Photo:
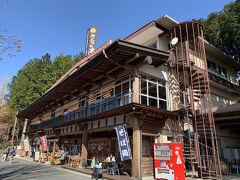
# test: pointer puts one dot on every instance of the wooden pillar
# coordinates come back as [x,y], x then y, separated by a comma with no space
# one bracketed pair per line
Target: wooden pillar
[30,146]
[137,149]
[136,89]
[14,129]
[84,144]
[53,152]
[24,130]
[54,147]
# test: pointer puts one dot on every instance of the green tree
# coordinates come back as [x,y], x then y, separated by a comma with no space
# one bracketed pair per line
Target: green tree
[78,57]
[36,77]
[60,66]
[29,83]
[222,29]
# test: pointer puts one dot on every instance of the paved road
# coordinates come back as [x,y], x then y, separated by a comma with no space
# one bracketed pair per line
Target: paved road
[22,169]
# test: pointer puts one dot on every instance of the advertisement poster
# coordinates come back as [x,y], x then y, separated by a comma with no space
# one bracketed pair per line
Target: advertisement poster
[26,145]
[44,143]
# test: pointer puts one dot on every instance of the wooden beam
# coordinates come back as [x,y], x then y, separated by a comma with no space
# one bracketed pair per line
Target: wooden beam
[147,60]
[136,56]
[150,134]
[107,75]
[113,69]
[93,83]
[115,62]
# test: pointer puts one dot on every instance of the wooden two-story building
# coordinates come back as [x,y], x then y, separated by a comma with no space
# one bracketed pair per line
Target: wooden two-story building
[102,91]
[129,82]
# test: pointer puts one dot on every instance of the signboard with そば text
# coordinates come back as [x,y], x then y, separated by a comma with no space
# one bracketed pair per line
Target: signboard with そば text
[123,143]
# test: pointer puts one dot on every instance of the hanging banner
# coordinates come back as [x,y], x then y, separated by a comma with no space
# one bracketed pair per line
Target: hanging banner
[44,143]
[123,143]
[26,145]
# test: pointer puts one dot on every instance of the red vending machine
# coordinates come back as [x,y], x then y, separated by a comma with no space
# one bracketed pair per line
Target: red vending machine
[168,161]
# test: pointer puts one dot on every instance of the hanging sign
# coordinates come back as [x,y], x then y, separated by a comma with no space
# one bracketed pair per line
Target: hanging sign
[91,43]
[26,145]
[123,143]
[44,143]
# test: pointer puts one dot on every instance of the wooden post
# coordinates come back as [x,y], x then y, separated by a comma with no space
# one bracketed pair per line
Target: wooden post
[84,144]
[137,149]
[24,130]
[14,128]
[136,89]
[10,159]
[54,147]
[30,145]
[53,152]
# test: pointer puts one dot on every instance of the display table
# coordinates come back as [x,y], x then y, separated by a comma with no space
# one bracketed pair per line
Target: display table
[74,161]
[56,158]
[43,158]
[56,161]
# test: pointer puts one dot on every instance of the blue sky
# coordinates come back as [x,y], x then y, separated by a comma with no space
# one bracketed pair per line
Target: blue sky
[59,26]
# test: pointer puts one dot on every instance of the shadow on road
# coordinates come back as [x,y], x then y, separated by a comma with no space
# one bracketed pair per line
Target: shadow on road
[16,170]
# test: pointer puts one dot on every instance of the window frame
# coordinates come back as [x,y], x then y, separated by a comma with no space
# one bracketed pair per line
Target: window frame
[153,43]
[159,83]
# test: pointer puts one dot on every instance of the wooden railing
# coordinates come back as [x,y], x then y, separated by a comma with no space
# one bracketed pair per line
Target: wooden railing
[83,112]
[224,82]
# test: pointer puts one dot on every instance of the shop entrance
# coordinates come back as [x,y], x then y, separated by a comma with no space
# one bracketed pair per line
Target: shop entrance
[71,144]
[147,156]
[103,144]
[101,148]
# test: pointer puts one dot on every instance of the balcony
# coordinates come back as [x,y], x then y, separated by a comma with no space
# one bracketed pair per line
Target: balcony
[223,82]
[91,110]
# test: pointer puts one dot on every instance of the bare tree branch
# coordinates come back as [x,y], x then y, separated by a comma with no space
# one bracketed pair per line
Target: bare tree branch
[9,44]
